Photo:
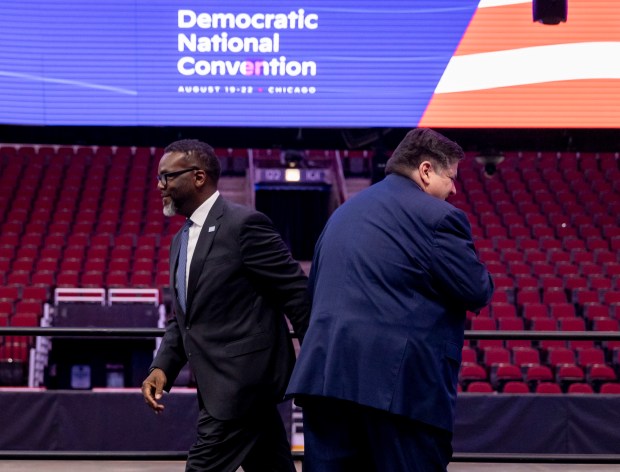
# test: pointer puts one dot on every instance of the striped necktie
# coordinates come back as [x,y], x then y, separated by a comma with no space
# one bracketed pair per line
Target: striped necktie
[181,266]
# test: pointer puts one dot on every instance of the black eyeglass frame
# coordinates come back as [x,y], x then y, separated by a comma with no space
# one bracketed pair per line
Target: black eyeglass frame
[163,178]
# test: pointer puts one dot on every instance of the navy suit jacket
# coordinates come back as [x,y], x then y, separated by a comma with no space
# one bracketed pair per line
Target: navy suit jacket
[393,274]
[242,280]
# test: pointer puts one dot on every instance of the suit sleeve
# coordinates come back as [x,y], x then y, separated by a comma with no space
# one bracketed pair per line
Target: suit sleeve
[280,277]
[170,356]
[462,276]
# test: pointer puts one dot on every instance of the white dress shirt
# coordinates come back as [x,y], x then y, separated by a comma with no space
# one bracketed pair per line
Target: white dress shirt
[198,221]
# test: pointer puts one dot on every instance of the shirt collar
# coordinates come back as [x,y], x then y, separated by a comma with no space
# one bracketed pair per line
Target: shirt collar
[200,214]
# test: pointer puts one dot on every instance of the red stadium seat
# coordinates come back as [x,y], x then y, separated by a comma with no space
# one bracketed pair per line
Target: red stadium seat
[551,282]
[9,294]
[501,310]
[589,268]
[534,310]
[142,280]
[119,264]
[25,319]
[144,265]
[95,265]
[568,374]
[546,324]
[602,256]
[72,264]
[598,374]
[76,249]
[51,249]
[479,387]
[610,388]
[499,296]
[538,373]
[554,295]
[562,310]
[20,278]
[162,279]
[550,243]
[610,298]
[526,282]
[580,388]
[43,278]
[548,388]
[35,294]
[592,311]
[486,324]
[558,255]
[516,387]
[513,324]
[502,373]
[14,353]
[574,282]
[496,355]
[559,356]
[583,296]
[605,324]
[68,279]
[575,324]
[469,355]
[47,264]
[528,295]
[590,356]
[471,373]
[145,252]
[117,279]
[6,308]
[535,255]
[524,357]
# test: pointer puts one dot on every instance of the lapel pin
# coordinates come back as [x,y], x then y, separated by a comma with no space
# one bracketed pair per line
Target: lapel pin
[211,229]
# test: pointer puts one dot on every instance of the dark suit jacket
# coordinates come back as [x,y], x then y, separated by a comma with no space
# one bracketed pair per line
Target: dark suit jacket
[234,335]
[393,274]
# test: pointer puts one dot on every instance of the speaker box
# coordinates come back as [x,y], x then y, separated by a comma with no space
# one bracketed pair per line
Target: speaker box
[549,12]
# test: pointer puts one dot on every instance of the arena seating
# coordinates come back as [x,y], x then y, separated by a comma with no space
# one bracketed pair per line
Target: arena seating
[549,235]
[547,225]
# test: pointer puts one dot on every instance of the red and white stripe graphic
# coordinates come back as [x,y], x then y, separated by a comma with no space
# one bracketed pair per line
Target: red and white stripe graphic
[511,72]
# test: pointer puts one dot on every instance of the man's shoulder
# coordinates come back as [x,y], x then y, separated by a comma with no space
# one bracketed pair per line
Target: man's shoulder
[236,208]
[239,212]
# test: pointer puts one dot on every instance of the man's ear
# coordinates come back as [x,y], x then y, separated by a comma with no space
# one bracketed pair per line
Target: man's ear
[425,168]
[201,178]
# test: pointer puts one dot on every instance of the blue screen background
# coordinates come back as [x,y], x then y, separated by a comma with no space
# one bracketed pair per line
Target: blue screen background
[115,63]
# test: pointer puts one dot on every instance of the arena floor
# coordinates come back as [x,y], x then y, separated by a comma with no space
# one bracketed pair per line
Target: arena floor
[175,466]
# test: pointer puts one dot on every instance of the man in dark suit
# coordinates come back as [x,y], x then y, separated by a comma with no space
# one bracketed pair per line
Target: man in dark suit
[393,274]
[233,278]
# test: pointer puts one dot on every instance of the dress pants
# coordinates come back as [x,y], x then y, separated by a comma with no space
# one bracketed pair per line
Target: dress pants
[341,436]
[257,442]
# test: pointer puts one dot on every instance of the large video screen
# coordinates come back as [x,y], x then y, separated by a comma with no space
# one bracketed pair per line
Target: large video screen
[313,63]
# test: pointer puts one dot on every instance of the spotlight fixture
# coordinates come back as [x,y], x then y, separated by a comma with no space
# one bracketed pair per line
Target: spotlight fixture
[489,162]
[549,12]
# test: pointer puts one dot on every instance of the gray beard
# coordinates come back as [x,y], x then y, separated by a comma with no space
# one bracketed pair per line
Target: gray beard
[170,209]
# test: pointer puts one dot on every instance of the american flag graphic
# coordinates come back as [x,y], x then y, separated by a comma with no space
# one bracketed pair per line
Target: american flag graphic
[509,71]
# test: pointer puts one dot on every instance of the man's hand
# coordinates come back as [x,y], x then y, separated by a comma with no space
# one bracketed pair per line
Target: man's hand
[152,389]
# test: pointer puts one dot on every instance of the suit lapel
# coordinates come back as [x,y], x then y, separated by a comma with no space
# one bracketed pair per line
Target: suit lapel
[203,246]
[174,257]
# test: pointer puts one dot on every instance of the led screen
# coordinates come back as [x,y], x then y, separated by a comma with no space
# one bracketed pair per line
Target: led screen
[318,63]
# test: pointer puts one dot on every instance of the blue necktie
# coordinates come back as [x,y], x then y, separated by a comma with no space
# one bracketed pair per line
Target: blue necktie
[181,266]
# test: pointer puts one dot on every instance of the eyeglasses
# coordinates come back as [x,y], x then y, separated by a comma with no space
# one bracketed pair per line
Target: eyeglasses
[163,178]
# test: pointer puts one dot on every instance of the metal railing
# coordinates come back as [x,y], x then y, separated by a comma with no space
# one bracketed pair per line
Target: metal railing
[158,332]
[182,456]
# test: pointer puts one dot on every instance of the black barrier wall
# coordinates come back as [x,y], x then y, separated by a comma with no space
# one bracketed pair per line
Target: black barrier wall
[120,421]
